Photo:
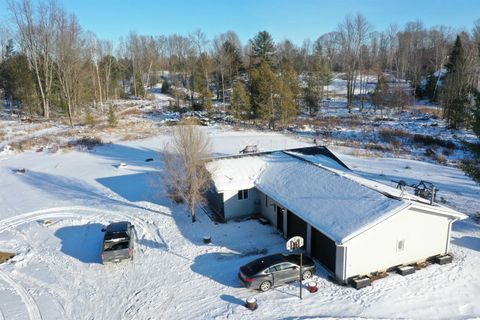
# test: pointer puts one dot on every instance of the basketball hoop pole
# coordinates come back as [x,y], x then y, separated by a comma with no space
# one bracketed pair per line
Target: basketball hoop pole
[293,244]
[301,266]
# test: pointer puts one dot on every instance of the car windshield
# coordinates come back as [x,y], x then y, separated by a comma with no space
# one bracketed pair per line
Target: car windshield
[116,236]
[111,246]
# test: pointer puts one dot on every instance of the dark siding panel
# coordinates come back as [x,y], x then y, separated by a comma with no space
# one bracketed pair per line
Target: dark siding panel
[296,226]
[215,201]
[279,219]
[324,249]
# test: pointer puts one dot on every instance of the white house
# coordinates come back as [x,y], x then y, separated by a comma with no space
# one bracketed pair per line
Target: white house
[353,226]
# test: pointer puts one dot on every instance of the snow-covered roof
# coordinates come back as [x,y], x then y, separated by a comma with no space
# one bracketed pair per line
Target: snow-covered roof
[317,187]
[338,207]
[235,173]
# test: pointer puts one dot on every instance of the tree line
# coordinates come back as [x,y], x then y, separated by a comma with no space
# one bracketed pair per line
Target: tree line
[51,67]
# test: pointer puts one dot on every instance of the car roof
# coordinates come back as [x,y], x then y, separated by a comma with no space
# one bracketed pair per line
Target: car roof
[121,226]
[264,262]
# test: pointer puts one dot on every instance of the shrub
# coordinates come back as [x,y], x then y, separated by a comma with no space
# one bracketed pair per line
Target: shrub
[471,168]
[89,119]
[87,142]
[432,141]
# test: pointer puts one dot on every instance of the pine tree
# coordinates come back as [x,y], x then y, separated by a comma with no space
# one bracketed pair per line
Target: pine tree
[290,77]
[262,49]
[165,87]
[264,90]
[241,107]
[431,88]
[18,83]
[137,87]
[455,97]
[380,94]
[289,91]
[272,96]
[207,101]
[316,79]
[476,114]
[112,117]
[287,107]
[89,119]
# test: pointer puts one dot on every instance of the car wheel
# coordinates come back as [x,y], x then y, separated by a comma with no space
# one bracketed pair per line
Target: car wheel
[265,286]
[306,275]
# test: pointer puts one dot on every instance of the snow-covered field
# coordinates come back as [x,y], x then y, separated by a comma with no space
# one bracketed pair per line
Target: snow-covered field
[51,216]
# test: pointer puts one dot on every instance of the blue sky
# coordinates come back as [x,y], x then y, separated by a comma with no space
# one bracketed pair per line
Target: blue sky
[295,20]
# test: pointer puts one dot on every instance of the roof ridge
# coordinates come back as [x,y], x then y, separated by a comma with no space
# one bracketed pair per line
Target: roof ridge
[343,175]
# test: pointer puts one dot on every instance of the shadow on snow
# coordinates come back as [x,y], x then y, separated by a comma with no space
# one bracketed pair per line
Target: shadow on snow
[82,242]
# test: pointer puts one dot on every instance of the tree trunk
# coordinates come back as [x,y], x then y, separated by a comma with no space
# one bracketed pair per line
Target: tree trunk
[192,210]
[99,86]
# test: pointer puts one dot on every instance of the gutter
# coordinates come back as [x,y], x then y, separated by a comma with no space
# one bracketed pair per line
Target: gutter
[448,234]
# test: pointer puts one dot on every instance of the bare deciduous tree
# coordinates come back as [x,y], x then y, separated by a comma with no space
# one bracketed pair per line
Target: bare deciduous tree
[185,158]
[36,27]
[68,46]
[352,35]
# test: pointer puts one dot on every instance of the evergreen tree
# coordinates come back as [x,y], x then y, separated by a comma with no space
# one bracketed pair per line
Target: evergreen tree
[380,94]
[431,88]
[233,59]
[264,89]
[272,96]
[165,87]
[241,107]
[18,83]
[316,79]
[476,114]
[455,97]
[137,87]
[89,119]
[207,101]
[112,117]
[287,107]
[262,49]
[289,92]
[290,77]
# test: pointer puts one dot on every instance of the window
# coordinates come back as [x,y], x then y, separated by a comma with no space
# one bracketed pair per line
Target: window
[272,269]
[242,194]
[400,245]
[285,266]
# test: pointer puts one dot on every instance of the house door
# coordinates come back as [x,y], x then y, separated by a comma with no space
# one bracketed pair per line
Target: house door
[280,219]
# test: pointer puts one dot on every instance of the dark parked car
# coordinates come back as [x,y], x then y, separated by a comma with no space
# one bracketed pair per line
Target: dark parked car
[118,242]
[274,270]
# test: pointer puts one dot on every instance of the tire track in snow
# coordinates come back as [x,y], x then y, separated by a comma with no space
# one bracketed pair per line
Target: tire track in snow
[30,304]
[55,213]
[71,212]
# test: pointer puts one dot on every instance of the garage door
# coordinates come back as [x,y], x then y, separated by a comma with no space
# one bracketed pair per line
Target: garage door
[324,249]
[296,226]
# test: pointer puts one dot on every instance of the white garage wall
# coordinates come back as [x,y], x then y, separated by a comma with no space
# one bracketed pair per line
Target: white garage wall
[423,235]
[267,208]
[234,208]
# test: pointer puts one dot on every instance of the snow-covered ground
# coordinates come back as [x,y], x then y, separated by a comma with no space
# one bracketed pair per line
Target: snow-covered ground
[51,216]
